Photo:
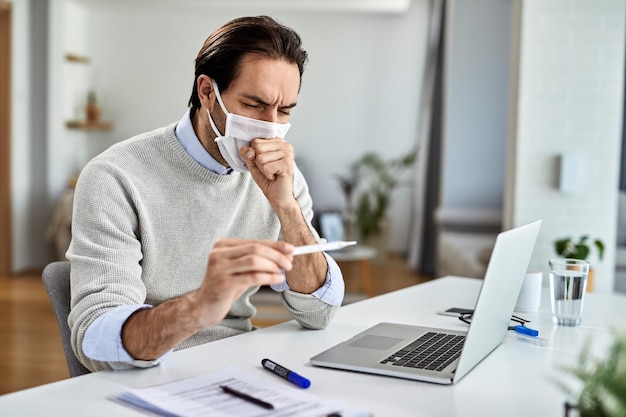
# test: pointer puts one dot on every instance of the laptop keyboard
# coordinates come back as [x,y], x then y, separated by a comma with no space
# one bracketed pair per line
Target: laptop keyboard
[432,351]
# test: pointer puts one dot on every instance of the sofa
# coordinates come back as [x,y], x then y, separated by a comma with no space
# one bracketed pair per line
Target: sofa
[465,239]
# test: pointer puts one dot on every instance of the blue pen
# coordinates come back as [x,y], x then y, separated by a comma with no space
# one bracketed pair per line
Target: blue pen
[528,335]
[526,330]
[283,372]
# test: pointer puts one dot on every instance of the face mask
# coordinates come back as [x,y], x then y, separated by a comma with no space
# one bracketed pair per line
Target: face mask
[240,131]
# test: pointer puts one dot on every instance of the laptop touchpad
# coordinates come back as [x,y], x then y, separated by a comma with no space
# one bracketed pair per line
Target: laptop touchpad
[375,342]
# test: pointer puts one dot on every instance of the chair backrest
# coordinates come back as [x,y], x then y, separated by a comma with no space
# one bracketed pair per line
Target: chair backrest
[56,280]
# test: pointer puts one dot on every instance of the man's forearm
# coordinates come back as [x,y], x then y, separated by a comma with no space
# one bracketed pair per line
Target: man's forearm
[309,271]
[150,333]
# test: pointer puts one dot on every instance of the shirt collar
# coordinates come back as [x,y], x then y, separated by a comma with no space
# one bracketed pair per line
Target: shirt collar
[190,142]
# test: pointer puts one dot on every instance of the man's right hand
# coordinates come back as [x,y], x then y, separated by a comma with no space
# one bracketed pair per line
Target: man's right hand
[234,265]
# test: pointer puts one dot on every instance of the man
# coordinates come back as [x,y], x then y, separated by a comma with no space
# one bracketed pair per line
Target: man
[149,210]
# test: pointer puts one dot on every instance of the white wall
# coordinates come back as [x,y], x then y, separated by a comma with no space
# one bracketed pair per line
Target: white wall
[360,91]
[568,97]
[68,83]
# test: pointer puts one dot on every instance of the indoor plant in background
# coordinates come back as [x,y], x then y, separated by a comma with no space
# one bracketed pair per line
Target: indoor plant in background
[367,190]
[601,389]
[569,248]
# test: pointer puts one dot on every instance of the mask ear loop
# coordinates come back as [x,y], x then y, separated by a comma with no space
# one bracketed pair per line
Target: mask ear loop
[215,130]
[219,100]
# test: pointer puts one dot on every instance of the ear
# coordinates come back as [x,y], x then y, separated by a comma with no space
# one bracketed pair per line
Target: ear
[205,90]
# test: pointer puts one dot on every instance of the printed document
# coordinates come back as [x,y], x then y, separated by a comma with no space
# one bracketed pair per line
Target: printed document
[202,396]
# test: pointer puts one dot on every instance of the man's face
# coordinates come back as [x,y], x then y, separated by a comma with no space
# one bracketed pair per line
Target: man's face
[265,89]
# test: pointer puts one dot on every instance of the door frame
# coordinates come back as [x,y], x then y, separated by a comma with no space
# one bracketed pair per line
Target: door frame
[6,232]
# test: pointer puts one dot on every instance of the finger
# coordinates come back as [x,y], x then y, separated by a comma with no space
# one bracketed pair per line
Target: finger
[260,278]
[253,264]
[248,155]
[268,157]
[250,158]
[271,145]
[279,245]
[277,255]
[275,168]
[274,164]
[246,271]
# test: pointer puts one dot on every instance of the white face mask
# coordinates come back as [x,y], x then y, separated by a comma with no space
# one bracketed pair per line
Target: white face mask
[240,131]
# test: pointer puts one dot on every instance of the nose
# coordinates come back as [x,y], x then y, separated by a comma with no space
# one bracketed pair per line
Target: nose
[270,115]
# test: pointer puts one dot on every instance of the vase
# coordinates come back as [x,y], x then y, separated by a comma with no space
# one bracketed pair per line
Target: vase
[93,110]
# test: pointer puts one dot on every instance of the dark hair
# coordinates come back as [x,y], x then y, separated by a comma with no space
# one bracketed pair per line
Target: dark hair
[220,56]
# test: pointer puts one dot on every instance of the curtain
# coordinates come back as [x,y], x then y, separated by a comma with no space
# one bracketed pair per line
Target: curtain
[425,193]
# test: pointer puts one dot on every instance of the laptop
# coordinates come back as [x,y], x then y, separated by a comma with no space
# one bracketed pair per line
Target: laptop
[437,355]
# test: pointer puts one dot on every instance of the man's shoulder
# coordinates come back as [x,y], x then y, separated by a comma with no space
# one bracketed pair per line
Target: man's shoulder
[147,139]
[137,150]
[139,145]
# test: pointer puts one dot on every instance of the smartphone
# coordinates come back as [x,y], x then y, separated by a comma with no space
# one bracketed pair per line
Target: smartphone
[455,311]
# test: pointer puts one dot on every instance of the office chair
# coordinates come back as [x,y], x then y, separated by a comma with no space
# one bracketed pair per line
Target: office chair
[56,280]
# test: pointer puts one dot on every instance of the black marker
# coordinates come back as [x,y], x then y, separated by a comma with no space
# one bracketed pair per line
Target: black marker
[246,397]
[290,376]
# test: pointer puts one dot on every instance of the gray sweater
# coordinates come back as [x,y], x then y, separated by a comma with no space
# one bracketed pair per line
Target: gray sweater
[145,218]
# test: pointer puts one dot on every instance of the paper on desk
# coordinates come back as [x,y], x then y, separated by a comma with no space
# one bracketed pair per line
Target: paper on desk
[202,396]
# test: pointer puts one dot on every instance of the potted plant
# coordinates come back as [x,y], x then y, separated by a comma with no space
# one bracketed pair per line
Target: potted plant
[580,249]
[568,248]
[602,382]
[367,190]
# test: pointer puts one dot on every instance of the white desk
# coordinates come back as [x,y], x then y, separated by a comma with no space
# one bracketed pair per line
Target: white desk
[515,380]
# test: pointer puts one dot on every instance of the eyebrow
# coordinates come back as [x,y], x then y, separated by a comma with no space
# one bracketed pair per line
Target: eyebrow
[263,102]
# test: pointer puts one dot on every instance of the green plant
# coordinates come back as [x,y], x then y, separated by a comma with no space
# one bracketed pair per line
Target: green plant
[603,392]
[568,248]
[368,187]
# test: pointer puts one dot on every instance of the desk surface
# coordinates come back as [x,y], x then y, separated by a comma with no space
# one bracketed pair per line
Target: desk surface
[516,379]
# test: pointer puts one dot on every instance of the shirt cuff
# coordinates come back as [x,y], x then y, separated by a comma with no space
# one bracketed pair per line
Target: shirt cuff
[103,339]
[331,292]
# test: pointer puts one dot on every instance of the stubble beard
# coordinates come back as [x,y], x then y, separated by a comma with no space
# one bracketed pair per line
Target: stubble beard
[209,143]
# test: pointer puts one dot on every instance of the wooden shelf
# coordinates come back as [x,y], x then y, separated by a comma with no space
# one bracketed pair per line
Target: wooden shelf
[85,125]
[77,58]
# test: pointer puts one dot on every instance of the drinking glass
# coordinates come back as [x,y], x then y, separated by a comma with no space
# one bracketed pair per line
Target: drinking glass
[568,283]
